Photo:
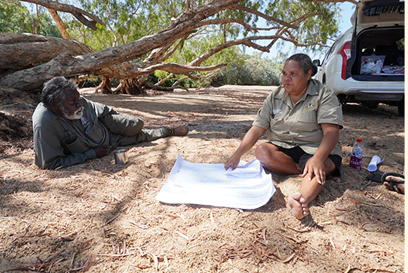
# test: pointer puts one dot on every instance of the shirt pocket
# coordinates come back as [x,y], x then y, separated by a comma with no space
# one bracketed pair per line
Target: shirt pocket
[277,122]
[307,121]
[74,144]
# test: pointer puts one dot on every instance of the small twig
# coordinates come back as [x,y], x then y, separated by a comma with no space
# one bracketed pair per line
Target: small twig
[112,219]
[182,235]
[156,261]
[372,204]
[222,245]
[289,258]
[83,268]
[308,227]
[118,255]
[291,237]
[166,261]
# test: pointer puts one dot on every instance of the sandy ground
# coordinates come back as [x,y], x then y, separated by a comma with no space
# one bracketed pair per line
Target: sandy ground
[103,217]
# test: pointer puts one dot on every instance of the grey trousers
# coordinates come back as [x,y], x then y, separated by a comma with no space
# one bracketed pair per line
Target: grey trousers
[128,130]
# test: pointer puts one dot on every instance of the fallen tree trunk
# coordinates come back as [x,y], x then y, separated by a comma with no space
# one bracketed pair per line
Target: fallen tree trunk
[20,51]
[69,65]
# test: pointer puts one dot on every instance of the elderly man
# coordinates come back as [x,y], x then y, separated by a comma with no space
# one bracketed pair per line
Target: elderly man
[70,129]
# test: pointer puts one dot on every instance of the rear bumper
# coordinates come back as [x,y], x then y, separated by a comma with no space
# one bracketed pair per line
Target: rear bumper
[369,90]
[374,95]
[378,97]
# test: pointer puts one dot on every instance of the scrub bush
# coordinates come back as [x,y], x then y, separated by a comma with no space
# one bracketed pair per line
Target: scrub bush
[252,71]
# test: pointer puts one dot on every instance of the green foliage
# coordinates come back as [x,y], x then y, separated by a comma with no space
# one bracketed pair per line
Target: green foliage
[126,20]
[16,18]
[253,71]
[13,18]
[195,47]
[318,28]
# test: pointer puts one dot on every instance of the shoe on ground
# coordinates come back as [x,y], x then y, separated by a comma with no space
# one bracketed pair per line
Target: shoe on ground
[178,131]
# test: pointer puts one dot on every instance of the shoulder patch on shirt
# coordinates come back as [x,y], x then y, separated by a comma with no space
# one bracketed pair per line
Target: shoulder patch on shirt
[310,106]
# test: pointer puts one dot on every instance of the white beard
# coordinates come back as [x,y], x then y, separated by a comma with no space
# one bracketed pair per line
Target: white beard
[77,115]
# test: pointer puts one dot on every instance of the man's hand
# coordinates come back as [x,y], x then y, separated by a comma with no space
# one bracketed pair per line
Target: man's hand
[101,151]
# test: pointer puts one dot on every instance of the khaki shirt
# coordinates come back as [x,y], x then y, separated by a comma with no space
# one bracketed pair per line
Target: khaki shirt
[300,125]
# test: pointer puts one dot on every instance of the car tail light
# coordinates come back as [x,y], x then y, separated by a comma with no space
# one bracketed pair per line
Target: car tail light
[345,52]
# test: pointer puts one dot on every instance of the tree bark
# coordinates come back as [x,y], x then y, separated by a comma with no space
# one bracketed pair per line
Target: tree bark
[69,65]
[20,51]
[78,13]
[62,27]
[105,87]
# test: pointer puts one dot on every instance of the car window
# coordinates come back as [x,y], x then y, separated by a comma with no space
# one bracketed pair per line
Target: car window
[330,52]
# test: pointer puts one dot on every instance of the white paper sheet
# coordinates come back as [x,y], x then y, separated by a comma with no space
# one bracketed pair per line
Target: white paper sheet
[246,187]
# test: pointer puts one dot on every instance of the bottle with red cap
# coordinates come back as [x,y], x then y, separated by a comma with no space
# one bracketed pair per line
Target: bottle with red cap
[356,160]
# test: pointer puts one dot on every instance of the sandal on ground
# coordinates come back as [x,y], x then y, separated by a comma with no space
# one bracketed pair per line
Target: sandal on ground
[393,184]
[375,176]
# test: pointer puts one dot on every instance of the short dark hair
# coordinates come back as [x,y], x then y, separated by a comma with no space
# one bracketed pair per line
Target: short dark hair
[54,90]
[304,61]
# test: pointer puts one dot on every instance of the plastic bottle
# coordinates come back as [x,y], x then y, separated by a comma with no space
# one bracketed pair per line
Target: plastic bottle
[356,160]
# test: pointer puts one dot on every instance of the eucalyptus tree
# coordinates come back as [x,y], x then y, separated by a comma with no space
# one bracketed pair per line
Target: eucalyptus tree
[133,39]
[16,18]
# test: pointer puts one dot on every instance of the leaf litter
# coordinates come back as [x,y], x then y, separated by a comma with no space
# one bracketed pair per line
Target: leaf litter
[102,217]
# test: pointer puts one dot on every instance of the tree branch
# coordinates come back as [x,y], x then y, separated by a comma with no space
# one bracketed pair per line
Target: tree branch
[266,17]
[175,69]
[334,1]
[78,13]
[226,21]
[60,24]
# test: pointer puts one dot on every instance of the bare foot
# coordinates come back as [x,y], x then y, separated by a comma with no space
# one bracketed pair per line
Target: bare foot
[391,183]
[297,205]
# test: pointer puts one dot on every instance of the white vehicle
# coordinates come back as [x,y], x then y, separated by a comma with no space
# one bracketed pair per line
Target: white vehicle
[366,64]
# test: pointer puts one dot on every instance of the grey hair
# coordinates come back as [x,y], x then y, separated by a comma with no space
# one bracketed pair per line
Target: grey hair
[54,90]
[304,62]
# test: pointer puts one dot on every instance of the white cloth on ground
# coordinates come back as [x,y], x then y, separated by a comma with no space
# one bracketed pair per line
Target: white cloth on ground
[246,187]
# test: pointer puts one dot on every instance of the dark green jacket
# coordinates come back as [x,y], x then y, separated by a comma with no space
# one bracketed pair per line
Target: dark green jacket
[62,142]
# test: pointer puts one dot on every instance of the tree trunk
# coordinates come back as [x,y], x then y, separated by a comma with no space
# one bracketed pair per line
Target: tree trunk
[61,25]
[70,65]
[105,86]
[20,51]
[130,86]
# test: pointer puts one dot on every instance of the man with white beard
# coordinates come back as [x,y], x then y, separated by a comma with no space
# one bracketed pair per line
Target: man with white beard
[70,129]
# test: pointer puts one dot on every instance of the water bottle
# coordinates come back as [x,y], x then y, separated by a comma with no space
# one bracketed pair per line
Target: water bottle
[356,160]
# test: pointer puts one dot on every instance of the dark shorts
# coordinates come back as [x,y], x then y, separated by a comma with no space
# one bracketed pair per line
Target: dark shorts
[301,157]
